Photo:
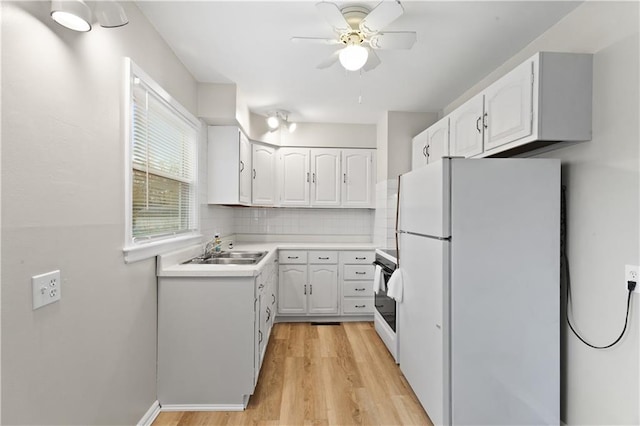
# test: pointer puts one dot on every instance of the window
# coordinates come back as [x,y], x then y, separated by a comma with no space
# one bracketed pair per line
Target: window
[162,145]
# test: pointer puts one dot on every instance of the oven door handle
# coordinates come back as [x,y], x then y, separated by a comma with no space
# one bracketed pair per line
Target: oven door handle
[385,269]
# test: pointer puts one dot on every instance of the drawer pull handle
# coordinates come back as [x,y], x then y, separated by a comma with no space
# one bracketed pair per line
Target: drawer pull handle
[310,288]
[292,257]
[360,289]
[361,258]
[305,289]
[361,273]
[259,336]
[361,306]
[379,306]
[323,258]
[274,298]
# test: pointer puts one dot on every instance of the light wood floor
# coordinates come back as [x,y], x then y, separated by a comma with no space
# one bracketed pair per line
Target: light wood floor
[321,375]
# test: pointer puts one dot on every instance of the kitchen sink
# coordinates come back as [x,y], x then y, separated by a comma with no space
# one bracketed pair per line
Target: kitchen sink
[228,258]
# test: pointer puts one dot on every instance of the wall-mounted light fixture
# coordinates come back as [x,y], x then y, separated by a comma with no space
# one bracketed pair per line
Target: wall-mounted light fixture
[76,14]
[280,118]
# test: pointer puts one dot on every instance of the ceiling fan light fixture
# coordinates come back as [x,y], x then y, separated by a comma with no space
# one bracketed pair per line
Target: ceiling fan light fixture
[353,57]
[72,14]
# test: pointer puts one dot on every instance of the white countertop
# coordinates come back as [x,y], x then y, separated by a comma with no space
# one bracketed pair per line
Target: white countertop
[170,265]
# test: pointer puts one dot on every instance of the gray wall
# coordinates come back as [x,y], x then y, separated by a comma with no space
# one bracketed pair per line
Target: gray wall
[91,358]
[603,181]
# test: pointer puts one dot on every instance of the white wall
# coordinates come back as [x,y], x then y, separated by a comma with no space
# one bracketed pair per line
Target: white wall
[331,135]
[603,180]
[402,127]
[91,358]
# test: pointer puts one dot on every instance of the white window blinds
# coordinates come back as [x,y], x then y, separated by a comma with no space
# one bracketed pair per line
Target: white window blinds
[163,156]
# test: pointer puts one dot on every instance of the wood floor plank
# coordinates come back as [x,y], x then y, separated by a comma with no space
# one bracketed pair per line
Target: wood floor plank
[321,375]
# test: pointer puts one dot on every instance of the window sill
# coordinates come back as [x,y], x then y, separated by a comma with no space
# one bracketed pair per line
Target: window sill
[152,249]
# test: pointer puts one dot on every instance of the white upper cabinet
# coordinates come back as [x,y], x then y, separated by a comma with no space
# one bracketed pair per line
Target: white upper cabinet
[357,177]
[545,100]
[263,186]
[466,128]
[325,177]
[431,144]
[229,166]
[245,169]
[438,141]
[508,107]
[295,176]
[419,150]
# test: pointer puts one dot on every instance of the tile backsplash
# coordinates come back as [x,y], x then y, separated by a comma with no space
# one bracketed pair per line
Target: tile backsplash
[385,214]
[303,221]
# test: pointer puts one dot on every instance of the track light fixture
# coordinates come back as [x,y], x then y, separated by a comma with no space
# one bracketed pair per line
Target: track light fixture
[280,118]
[76,14]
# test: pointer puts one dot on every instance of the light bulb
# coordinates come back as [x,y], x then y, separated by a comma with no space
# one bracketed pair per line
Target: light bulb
[273,122]
[292,127]
[353,57]
[73,14]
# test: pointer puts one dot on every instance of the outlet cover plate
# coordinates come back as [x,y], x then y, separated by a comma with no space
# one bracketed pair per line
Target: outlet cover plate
[631,274]
[46,288]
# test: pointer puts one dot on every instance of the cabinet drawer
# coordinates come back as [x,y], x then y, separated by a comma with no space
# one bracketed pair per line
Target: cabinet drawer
[292,256]
[357,256]
[357,305]
[357,288]
[358,272]
[323,257]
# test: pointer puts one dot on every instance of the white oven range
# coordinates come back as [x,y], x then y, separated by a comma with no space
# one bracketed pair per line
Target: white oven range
[386,308]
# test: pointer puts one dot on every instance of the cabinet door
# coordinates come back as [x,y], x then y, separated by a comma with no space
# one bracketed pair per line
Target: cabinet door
[323,289]
[438,137]
[357,178]
[325,177]
[292,289]
[465,127]
[295,177]
[263,174]
[419,150]
[508,107]
[245,169]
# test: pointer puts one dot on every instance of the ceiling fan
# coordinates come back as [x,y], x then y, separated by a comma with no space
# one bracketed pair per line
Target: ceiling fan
[359,34]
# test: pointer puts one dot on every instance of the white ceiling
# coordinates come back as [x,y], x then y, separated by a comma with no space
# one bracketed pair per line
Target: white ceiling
[248,43]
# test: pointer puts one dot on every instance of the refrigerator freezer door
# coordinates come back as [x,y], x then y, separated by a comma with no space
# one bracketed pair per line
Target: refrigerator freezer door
[421,331]
[424,200]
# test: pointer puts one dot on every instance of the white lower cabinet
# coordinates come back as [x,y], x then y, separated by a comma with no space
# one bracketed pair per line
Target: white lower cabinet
[308,283]
[212,336]
[357,282]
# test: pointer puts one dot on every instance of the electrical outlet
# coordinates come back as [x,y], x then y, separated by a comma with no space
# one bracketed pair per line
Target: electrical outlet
[46,288]
[631,274]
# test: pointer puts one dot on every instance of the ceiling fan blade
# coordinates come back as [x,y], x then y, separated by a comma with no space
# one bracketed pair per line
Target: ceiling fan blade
[315,40]
[372,61]
[332,59]
[333,16]
[393,40]
[382,15]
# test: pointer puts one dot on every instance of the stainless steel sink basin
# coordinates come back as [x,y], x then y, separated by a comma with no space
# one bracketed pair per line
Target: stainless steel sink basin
[230,261]
[241,254]
[228,258]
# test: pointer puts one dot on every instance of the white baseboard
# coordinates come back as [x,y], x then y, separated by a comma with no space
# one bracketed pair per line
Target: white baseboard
[150,415]
[202,407]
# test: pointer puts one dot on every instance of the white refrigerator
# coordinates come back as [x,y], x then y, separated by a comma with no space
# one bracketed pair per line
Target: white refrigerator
[479,321]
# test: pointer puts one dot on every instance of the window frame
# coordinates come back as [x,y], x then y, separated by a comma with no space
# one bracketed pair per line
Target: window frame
[139,250]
